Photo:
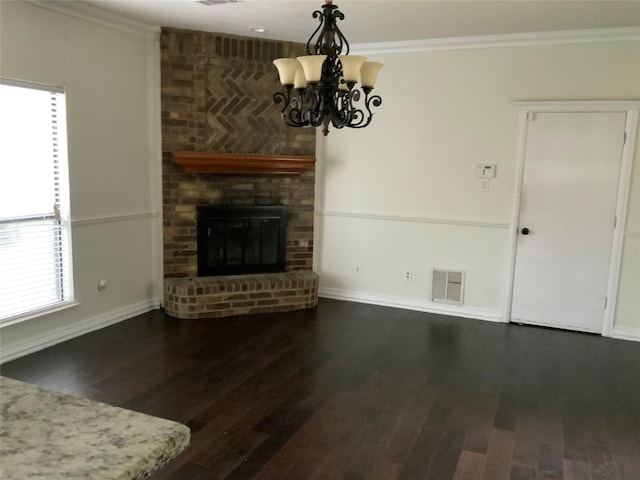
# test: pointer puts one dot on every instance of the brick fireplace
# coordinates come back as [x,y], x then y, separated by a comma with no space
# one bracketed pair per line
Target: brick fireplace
[217,98]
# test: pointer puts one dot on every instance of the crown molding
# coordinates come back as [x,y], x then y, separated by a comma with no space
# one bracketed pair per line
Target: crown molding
[105,18]
[563,37]
[99,16]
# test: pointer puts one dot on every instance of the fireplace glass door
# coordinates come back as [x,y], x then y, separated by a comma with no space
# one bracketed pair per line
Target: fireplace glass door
[241,240]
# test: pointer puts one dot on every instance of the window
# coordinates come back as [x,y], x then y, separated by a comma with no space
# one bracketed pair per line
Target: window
[35,232]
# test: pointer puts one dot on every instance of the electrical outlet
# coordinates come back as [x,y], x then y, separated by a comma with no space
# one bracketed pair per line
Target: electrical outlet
[102,285]
[408,275]
[357,269]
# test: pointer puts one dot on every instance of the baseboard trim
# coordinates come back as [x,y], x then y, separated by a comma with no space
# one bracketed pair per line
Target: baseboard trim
[410,304]
[626,333]
[60,335]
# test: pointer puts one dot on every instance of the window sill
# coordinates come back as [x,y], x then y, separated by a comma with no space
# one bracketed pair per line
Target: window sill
[58,307]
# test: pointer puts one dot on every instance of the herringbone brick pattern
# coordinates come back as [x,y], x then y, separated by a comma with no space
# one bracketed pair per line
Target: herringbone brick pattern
[240,112]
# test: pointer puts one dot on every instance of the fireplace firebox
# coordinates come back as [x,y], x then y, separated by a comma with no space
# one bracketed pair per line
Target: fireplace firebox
[241,240]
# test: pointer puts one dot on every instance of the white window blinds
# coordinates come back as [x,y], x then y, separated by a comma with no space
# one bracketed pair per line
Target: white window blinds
[35,236]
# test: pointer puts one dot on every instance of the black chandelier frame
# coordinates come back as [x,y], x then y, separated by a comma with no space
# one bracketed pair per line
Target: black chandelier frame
[331,100]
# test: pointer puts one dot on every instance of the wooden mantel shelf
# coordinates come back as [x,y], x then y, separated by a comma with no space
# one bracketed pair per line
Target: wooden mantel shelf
[243,163]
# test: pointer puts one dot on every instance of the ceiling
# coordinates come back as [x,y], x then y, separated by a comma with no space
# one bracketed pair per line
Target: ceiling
[380,21]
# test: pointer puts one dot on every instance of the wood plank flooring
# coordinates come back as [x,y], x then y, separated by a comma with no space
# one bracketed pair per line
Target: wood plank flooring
[359,392]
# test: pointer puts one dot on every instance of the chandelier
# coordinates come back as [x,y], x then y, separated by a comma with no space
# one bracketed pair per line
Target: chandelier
[319,88]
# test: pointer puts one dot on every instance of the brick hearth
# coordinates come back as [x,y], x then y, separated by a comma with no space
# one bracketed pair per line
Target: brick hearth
[214,297]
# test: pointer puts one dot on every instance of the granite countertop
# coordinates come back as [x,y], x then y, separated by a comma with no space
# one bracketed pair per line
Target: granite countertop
[48,435]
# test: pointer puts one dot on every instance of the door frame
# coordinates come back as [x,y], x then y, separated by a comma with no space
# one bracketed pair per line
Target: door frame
[631,108]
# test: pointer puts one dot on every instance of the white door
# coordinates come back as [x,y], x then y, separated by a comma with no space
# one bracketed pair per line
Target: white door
[567,214]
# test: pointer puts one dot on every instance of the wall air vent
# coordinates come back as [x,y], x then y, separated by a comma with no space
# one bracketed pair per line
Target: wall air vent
[447,286]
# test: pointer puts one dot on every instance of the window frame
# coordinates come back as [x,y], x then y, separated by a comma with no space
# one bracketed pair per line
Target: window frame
[60,217]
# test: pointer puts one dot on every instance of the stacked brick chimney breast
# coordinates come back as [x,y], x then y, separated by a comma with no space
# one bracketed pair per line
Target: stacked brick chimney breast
[216,96]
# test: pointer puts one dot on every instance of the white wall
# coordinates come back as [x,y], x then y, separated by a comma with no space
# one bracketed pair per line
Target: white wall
[110,79]
[402,193]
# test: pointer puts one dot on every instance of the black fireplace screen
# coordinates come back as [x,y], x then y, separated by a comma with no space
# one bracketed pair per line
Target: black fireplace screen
[241,240]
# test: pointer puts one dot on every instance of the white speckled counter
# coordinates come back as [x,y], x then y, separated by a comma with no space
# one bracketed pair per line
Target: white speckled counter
[48,435]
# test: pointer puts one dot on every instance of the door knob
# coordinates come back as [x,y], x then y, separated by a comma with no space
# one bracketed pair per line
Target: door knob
[525,231]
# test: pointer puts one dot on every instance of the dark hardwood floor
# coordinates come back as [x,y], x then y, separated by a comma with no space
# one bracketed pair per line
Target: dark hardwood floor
[359,392]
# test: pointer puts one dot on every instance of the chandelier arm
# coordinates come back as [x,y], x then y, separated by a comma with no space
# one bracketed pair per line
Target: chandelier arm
[342,109]
[375,101]
[357,114]
[357,119]
[316,110]
[291,112]
[316,104]
[284,98]
[296,115]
